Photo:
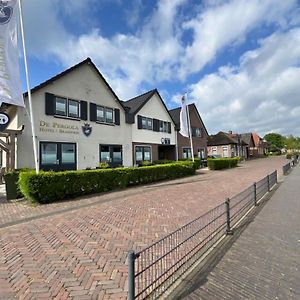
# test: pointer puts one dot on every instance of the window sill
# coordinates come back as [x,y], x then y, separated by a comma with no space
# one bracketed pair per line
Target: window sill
[66,118]
[103,123]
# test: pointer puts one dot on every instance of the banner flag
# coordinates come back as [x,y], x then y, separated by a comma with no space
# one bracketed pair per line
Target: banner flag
[10,81]
[184,124]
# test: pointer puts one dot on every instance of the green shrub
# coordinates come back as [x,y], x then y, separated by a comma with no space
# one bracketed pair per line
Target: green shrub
[197,161]
[145,163]
[222,163]
[47,187]
[103,165]
[163,161]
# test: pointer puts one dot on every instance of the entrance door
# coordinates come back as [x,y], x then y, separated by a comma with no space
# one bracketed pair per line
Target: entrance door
[57,156]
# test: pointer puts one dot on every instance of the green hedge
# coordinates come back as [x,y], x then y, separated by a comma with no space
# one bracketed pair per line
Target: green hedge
[222,163]
[47,187]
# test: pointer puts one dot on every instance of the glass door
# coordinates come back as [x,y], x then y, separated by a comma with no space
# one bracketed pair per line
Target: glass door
[57,156]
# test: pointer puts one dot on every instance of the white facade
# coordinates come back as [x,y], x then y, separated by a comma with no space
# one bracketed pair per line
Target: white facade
[153,109]
[82,83]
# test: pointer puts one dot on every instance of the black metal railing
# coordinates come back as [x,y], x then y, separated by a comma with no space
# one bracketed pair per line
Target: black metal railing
[158,266]
[154,269]
[286,168]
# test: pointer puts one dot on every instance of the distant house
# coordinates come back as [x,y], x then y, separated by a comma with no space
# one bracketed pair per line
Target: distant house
[257,147]
[199,134]
[226,145]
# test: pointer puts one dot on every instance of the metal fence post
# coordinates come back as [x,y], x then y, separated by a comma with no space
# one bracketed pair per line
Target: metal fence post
[227,205]
[268,177]
[131,275]
[255,195]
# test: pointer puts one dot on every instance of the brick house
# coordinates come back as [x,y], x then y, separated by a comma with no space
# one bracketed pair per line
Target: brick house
[226,145]
[199,134]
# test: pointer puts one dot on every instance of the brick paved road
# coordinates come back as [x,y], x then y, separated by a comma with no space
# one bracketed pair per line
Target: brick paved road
[77,250]
[264,262]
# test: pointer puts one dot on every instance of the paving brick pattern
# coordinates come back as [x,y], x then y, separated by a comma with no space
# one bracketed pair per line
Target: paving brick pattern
[264,262]
[77,250]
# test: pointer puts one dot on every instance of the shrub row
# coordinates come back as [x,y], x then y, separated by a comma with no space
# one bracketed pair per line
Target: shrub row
[47,187]
[222,163]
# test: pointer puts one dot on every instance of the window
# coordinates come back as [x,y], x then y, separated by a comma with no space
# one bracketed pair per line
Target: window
[187,153]
[201,153]
[214,150]
[49,154]
[117,154]
[66,107]
[146,123]
[73,109]
[61,106]
[142,153]
[149,124]
[109,115]
[112,154]
[225,151]
[104,154]
[104,114]
[57,156]
[68,153]
[100,114]
[198,132]
[163,126]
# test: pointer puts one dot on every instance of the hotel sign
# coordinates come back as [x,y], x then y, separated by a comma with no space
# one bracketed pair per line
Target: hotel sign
[55,127]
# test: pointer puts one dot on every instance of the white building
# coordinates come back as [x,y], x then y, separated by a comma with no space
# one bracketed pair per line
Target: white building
[80,122]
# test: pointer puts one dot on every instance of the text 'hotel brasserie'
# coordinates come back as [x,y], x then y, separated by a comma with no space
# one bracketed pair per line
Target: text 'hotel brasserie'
[80,122]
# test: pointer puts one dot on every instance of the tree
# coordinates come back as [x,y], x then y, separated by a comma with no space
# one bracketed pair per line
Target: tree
[292,143]
[275,140]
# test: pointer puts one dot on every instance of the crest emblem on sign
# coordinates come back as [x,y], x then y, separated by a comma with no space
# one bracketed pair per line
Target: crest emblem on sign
[4,121]
[5,12]
[86,129]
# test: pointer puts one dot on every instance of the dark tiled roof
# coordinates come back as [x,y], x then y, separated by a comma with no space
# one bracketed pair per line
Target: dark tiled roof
[221,138]
[133,105]
[238,138]
[136,103]
[175,114]
[56,77]
[247,137]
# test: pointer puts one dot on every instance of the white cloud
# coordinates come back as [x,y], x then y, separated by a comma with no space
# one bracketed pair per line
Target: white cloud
[155,52]
[225,25]
[260,94]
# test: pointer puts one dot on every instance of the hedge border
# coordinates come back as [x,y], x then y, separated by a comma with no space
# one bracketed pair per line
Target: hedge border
[47,187]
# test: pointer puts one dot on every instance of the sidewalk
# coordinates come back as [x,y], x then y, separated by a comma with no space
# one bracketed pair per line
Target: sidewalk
[264,262]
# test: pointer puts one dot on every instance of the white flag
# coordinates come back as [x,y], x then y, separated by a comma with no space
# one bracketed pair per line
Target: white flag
[184,126]
[10,82]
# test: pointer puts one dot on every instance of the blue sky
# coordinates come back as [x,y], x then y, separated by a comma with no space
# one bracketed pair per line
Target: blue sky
[239,60]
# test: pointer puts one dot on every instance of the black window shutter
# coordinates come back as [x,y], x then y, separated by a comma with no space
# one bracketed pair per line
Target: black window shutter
[139,122]
[155,125]
[83,110]
[93,112]
[117,116]
[49,104]
[169,127]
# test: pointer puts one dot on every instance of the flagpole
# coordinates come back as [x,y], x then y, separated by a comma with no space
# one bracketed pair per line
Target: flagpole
[190,132]
[29,91]
[176,143]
